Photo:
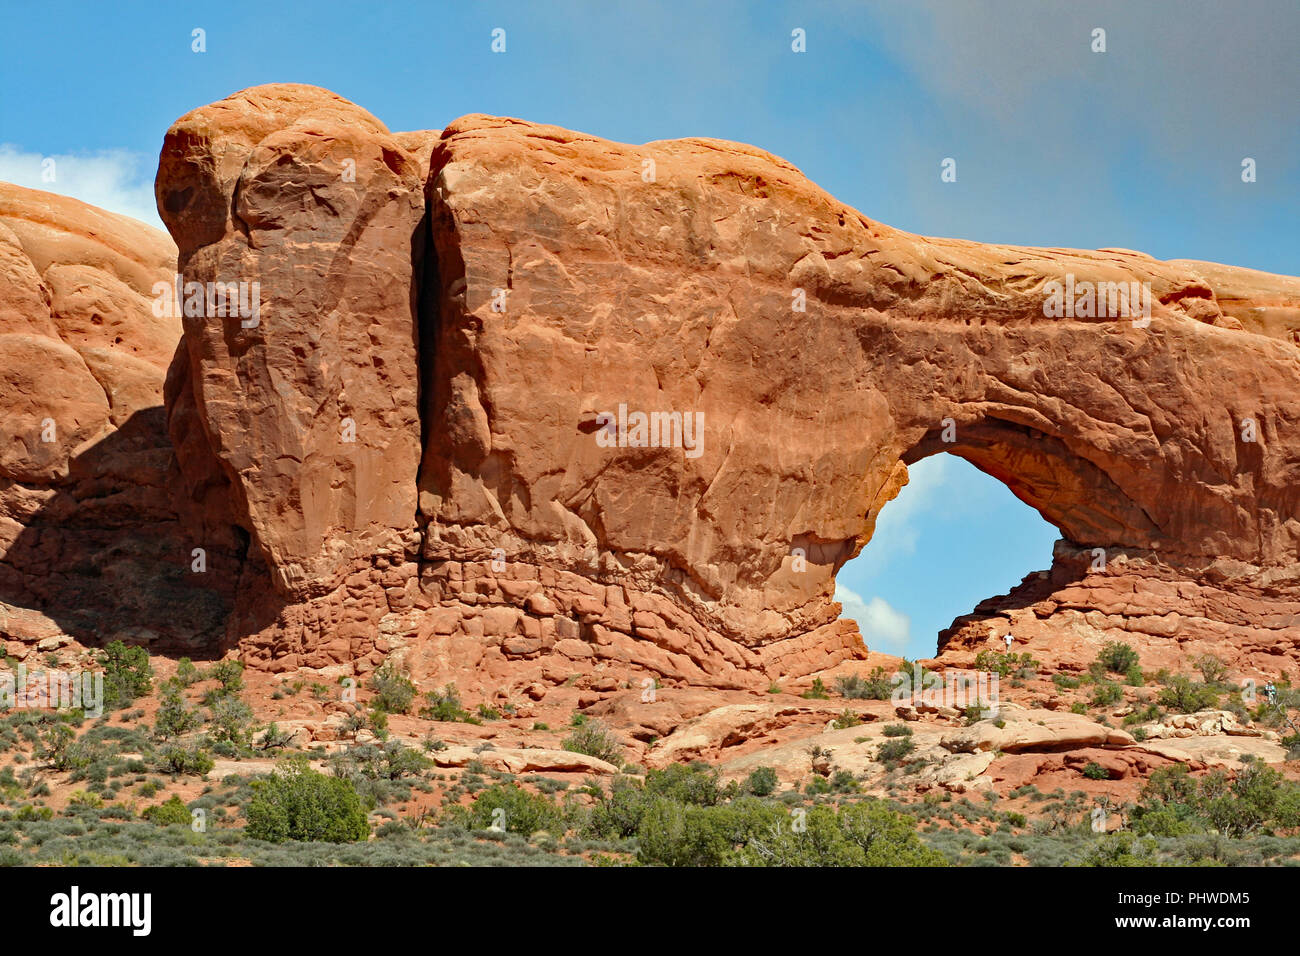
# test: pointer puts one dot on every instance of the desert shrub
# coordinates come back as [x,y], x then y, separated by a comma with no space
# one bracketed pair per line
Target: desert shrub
[893,751]
[694,783]
[510,807]
[1003,664]
[444,705]
[845,720]
[232,721]
[171,811]
[751,833]
[1121,848]
[58,747]
[229,675]
[1107,693]
[1065,682]
[875,686]
[677,834]
[1183,696]
[896,730]
[817,786]
[761,782]
[127,674]
[273,738]
[1258,800]
[1117,657]
[618,813]
[1095,771]
[187,673]
[80,798]
[817,691]
[298,803]
[594,739]
[174,719]
[391,761]
[178,760]
[394,691]
[1213,670]
[843,781]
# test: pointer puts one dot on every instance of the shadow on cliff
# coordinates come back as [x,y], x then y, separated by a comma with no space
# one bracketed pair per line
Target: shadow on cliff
[110,552]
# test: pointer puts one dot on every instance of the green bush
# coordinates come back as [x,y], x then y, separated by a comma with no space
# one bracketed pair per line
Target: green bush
[1121,848]
[694,783]
[394,691]
[127,674]
[444,705]
[512,808]
[762,782]
[1003,664]
[677,834]
[896,730]
[187,673]
[229,674]
[817,691]
[1117,657]
[1107,693]
[594,739]
[893,751]
[232,721]
[174,719]
[1257,800]
[298,803]
[618,813]
[1213,670]
[176,760]
[875,686]
[845,720]
[1095,771]
[866,833]
[1182,696]
[167,813]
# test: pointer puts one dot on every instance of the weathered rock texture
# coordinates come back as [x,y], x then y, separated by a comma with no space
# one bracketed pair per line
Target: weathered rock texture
[471,305]
[95,541]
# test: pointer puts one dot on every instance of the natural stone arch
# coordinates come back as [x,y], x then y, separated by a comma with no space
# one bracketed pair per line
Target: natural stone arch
[822,347]
[1067,490]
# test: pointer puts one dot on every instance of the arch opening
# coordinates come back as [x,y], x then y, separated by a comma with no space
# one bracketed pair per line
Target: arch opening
[955,535]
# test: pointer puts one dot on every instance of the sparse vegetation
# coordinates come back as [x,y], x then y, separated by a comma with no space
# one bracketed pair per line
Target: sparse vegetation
[595,739]
[298,803]
[875,686]
[1117,657]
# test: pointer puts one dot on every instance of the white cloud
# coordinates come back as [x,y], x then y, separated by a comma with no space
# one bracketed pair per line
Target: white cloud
[883,627]
[116,179]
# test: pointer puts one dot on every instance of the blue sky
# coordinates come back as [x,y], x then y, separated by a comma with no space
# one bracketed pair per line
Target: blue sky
[1138,147]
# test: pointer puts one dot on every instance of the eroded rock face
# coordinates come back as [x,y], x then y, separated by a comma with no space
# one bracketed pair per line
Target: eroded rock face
[309,406]
[489,309]
[824,352]
[96,536]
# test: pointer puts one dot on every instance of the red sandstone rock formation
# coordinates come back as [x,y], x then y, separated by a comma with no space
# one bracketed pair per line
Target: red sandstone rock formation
[482,307]
[94,544]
